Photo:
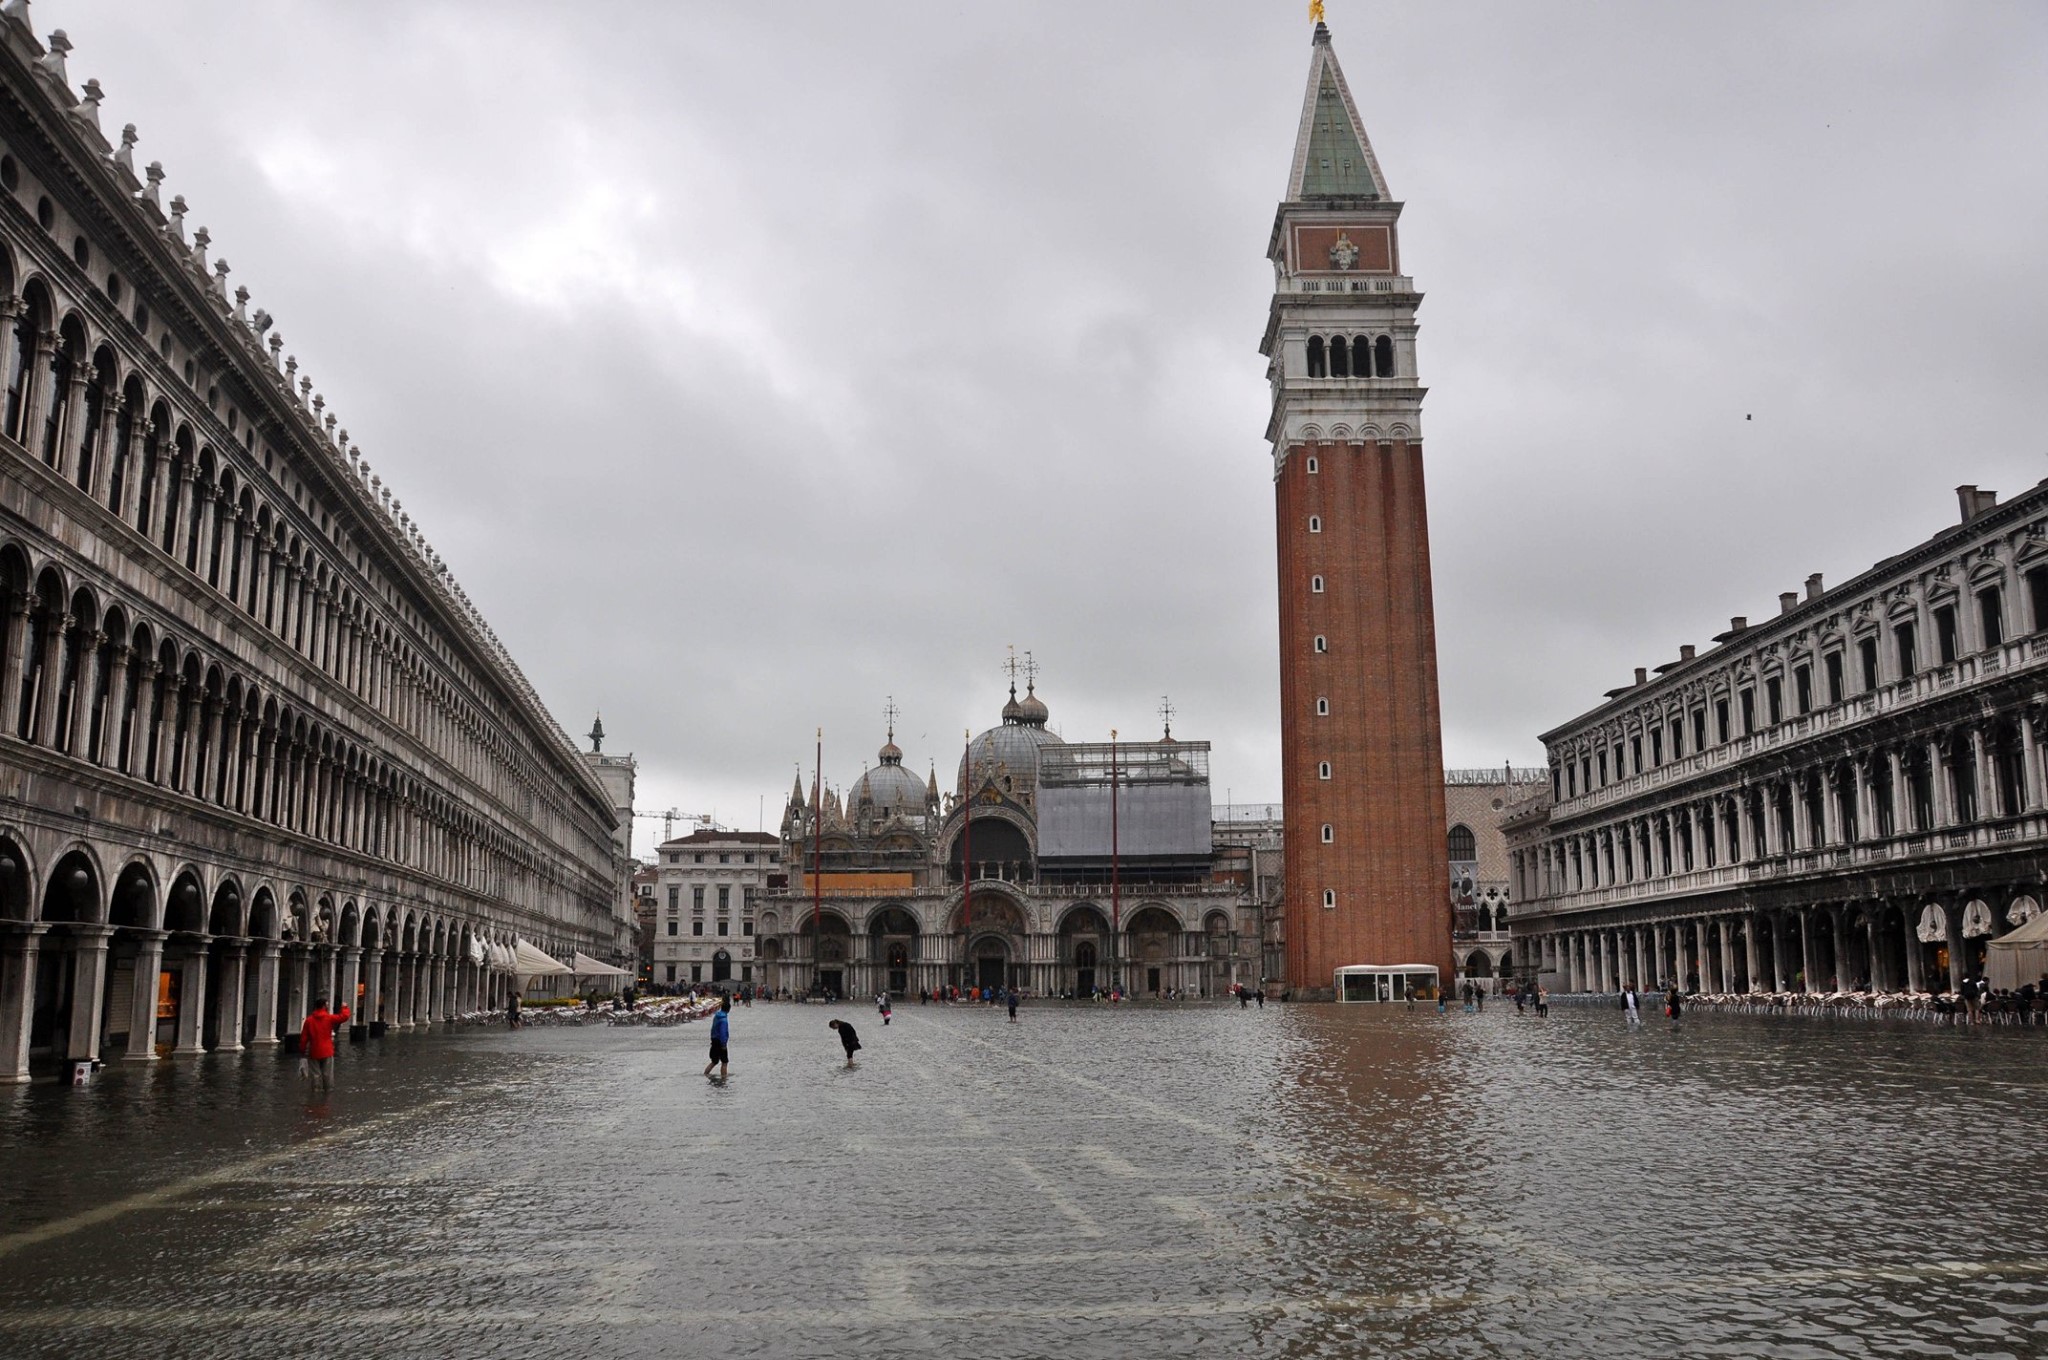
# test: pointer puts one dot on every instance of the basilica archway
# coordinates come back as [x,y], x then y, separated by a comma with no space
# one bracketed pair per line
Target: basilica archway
[1153,948]
[1084,950]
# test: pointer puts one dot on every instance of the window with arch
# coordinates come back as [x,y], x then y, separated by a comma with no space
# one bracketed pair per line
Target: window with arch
[1322,707]
[1322,643]
[1323,770]
[1318,366]
[1383,356]
[1340,357]
[1315,524]
[1462,844]
[1329,898]
[1329,833]
[1313,466]
[1315,585]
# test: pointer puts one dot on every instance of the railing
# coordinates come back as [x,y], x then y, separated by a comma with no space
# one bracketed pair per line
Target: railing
[1352,283]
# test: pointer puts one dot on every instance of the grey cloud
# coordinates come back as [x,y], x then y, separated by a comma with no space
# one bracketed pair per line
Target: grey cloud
[865,340]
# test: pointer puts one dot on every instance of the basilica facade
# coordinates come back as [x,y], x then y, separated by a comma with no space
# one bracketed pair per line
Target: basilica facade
[255,743]
[1056,868]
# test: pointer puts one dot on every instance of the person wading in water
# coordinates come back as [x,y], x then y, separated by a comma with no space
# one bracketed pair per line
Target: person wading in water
[847,1039]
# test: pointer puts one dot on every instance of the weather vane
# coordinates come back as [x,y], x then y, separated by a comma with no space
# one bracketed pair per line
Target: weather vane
[1315,11]
[889,715]
[1166,712]
[1030,669]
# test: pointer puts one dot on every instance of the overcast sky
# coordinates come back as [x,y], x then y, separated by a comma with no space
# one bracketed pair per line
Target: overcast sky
[752,363]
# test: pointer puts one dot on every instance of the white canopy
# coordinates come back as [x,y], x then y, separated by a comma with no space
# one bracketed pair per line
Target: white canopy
[531,963]
[586,966]
[476,950]
[2018,956]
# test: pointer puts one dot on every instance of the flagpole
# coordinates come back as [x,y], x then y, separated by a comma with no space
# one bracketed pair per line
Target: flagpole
[817,857]
[967,856]
[1116,899]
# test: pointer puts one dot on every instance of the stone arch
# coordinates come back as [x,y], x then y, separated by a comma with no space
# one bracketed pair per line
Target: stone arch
[17,877]
[72,893]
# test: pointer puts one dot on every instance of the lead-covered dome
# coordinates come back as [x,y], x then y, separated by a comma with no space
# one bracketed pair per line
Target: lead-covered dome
[1014,746]
[889,788]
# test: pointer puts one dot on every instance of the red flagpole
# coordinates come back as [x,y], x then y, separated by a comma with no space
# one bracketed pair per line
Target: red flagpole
[1116,899]
[817,856]
[967,857]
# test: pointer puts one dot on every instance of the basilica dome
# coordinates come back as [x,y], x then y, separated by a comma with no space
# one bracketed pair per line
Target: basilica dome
[889,788]
[1013,746]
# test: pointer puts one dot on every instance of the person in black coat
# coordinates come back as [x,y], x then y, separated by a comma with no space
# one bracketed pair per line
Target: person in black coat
[847,1039]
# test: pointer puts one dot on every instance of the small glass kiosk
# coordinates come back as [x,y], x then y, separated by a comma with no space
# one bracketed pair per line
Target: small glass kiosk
[1387,982]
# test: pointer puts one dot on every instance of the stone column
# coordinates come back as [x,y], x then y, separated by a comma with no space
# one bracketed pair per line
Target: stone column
[1830,805]
[1915,963]
[1871,944]
[266,994]
[1938,775]
[115,709]
[1727,959]
[85,683]
[1980,774]
[351,965]
[17,663]
[373,985]
[88,991]
[401,993]
[149,964]
[52,680]
[1750,925]
[20,943]
[436,1009]
[227,996]
[188,762]
[2030,764]
[191,968]
[1843,979]
[1954,912]
[298,980]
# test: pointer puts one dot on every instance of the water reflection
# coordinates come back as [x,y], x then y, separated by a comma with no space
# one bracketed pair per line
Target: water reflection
[1294,1182]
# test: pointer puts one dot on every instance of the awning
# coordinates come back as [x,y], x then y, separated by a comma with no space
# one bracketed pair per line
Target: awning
[2034,932]
[476,950]
[586,966]
[529,962]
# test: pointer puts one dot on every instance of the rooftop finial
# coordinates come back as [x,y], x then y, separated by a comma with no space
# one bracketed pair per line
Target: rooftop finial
[201,239]
[176,226]
[88,106]
[16,10]
[241,300]
[124,155]
[152,191]
[1315,11]
[53,60]
[1166,712]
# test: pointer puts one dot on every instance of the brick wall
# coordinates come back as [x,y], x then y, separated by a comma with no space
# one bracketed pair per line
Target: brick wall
[1382,737]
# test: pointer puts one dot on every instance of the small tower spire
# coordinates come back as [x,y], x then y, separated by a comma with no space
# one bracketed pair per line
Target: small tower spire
[597,736]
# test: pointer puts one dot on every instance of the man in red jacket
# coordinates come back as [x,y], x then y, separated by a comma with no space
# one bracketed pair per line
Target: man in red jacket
[316,1043]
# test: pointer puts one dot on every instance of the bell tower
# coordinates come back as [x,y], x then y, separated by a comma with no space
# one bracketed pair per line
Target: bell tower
[1366,878]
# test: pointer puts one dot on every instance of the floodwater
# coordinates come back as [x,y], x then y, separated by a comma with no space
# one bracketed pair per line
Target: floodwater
[1302,1181]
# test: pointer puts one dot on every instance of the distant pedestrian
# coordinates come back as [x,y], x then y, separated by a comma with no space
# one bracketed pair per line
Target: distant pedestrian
[316,1044]
[1673,1004]
[512,1012]
[1260,997]
[848,1040]
[1635,1014]
[1479,997]
[1442,1002]
[1521,1003]
[882,1006]
[721,1035]
[1542,1001]
[1012,998]
[1244,998]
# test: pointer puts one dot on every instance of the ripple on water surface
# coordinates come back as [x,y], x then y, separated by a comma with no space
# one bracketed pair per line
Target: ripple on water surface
[1302,1181]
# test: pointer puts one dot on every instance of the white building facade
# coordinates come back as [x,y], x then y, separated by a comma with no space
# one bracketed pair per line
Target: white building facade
[707,919]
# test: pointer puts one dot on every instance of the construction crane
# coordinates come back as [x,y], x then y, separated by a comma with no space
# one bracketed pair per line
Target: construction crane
[672,816]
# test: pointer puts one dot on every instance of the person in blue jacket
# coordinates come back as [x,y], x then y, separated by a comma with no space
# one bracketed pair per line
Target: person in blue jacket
[721,1034]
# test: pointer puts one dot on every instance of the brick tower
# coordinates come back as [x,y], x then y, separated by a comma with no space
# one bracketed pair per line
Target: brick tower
[1367,881]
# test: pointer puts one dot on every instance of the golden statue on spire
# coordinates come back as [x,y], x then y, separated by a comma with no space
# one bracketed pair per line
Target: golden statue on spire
[1315,11]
